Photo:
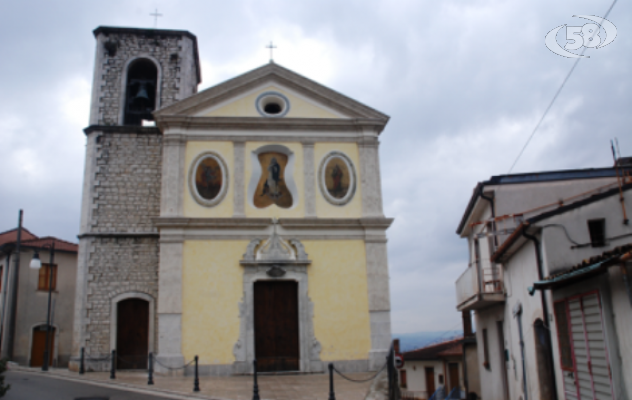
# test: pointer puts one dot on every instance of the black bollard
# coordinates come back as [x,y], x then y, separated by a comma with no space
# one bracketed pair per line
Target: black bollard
[113,365]
[255,388]
[332,395]
[196,381]
[82,368]
[150,369]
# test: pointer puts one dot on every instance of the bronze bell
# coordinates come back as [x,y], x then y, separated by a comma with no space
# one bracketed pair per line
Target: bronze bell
[142,93]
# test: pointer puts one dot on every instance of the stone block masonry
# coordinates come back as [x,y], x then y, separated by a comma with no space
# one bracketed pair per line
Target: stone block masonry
[116,265]
[117,50]
[126,183]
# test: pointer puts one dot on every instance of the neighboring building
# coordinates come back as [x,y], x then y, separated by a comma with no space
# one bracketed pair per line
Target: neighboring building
[429,368]
[564,232]
[23,337]
[246,224]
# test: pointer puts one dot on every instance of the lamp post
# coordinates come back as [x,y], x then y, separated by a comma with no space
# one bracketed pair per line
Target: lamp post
[37,264]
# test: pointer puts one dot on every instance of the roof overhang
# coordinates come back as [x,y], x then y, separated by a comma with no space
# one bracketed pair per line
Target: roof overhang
[577,275]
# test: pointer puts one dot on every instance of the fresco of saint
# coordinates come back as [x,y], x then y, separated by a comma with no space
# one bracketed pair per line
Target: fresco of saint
[208,178]
[337,178]
[271,188]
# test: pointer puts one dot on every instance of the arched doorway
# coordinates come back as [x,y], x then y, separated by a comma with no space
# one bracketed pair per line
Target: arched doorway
[140,97]
[39,345]
[132,333]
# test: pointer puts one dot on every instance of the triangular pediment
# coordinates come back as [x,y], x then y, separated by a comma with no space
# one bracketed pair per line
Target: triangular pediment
[238,97]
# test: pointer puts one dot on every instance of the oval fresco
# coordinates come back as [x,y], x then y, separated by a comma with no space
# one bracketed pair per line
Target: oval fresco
[208,179]
[337,178]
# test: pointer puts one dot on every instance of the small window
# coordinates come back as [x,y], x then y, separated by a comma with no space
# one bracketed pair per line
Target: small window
[44,277]
[597,230]
[486,351]
[563,336]
[402,378]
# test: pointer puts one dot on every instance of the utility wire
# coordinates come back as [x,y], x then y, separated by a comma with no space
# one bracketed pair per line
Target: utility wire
[556,94]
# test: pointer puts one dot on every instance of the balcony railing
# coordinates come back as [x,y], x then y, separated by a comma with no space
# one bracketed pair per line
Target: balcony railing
[480,286]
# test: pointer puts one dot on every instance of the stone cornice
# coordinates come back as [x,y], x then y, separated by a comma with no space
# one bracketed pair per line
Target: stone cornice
[329,223]
[264,223]
[118,234]
[179,122]
[129,129]
[214,223]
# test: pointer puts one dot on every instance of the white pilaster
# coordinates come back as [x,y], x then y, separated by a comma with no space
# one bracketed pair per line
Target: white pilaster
[239,161]
[310,180]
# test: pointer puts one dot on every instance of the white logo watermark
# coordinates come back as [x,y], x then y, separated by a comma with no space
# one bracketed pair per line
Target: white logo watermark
[589,35]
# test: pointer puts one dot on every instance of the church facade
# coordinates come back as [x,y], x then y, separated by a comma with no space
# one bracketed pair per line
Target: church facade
[246,224]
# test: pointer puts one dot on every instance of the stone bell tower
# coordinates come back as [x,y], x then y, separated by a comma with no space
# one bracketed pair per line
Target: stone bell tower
[154,66]
[136,72]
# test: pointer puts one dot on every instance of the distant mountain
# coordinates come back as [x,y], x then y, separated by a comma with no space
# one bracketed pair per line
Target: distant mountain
[411,341]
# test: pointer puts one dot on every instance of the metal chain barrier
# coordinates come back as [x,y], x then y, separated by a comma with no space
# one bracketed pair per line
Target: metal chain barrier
[360,380]
[157,361]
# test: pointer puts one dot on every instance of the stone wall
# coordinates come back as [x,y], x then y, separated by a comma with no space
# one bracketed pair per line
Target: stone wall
[126,182]
[115,50]
[116,266]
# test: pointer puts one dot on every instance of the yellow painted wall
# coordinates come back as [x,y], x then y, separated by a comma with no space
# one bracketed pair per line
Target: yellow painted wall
[325,209]
[338,289]
[212,287]
[298,208]
[191,207]
[245,106]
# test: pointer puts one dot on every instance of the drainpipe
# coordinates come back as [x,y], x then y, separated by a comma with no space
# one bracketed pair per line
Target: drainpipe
[517,312]
[545,309]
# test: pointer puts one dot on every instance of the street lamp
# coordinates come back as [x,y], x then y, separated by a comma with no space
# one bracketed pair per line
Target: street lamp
[36,264]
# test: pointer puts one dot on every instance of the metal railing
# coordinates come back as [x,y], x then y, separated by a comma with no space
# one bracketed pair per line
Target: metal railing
[479,279]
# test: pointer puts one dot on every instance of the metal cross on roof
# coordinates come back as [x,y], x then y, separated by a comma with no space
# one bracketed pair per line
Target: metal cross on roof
[271,47]
[156,15]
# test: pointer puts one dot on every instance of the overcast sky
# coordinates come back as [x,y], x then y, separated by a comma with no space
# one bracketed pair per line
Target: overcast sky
[464,83]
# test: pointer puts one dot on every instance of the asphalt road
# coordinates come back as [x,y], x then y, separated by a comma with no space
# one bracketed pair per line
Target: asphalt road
[26,386]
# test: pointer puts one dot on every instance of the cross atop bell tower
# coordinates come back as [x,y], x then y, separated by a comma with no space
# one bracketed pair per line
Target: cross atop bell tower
[138,71]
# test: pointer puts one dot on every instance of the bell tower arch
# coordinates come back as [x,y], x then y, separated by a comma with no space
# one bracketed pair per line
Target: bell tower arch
[123,52]
[141,91]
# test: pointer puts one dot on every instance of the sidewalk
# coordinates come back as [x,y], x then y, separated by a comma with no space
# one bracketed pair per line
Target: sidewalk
[272,387]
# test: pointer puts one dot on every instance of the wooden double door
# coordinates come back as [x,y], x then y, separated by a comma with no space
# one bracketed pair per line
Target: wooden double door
[276,326]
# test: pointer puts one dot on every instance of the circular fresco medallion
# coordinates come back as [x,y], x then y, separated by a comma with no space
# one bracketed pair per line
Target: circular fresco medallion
[208,179]
[337,178]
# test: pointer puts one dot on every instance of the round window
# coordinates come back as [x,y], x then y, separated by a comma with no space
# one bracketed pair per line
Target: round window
[272,104]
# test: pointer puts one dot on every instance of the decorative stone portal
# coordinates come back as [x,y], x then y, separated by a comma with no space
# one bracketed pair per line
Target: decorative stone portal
[276,260]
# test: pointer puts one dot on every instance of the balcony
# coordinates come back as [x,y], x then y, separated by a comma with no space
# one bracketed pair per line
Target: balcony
[480,286]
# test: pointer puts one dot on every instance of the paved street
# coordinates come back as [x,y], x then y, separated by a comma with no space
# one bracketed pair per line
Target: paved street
[33,385]
[28,386]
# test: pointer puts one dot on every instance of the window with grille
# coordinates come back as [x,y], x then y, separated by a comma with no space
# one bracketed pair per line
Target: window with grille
[44,277]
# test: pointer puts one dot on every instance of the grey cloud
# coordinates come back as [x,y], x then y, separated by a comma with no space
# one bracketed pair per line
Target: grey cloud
[464,86]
